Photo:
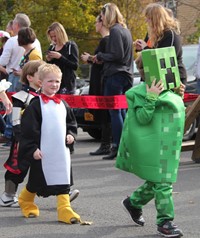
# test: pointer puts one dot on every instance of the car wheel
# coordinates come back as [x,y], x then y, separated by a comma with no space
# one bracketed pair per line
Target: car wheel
[95,133]
[189,134]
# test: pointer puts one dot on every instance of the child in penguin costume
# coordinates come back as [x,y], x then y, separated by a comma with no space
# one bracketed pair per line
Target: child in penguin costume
[48,125]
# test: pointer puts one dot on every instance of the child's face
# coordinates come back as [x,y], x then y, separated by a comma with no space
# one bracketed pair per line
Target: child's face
[34,81]
[51,84]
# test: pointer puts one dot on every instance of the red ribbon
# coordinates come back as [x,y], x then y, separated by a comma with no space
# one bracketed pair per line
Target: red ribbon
[95,102]
[104,102]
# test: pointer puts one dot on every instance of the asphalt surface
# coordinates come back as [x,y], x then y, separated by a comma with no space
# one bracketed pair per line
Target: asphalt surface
[102,187]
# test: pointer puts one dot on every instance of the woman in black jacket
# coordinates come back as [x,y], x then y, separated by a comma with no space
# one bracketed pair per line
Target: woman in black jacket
[96,88]
[65,55]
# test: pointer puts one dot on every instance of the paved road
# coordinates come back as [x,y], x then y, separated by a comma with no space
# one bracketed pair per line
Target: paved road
[102,187]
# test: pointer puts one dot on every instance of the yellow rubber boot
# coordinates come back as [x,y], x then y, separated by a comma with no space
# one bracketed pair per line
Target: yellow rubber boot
[26,203]
[65,212]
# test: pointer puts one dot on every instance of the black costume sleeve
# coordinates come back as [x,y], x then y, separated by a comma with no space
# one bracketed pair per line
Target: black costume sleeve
[71,122]
[30,133]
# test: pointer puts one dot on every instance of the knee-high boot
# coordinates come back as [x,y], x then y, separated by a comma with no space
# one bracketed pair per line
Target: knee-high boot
[65,212]
[26,203]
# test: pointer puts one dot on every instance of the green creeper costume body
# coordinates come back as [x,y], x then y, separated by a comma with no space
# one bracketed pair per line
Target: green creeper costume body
[150,146]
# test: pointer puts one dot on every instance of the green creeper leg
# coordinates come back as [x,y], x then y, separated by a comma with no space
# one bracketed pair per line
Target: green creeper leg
[164,202]
[142,195]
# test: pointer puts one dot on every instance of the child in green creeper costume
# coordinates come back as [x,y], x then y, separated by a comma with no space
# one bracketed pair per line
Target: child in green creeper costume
[157,117]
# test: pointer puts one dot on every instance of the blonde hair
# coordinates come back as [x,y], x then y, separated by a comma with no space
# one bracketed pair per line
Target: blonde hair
[49,68]
[30,68]
[60,32]
[112,15]
[159,20]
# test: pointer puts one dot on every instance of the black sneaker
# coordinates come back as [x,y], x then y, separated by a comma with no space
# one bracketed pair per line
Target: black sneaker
[135,213]
[168,229]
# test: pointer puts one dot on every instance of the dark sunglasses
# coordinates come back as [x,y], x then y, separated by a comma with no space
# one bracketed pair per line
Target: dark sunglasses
[103,10]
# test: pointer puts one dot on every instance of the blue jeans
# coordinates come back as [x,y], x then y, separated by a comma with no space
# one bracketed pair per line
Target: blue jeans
[116,84]
[16,85]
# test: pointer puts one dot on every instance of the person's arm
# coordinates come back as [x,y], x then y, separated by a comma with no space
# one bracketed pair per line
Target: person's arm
[3,69]
[180,90]
[6,102]
[4,85]
[145,114]
[87,58]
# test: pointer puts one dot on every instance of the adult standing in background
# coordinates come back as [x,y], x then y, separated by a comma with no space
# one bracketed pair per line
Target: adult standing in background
[96,88]
[118,67]
[197,69]
[10,58]
[63,53]
[13,53]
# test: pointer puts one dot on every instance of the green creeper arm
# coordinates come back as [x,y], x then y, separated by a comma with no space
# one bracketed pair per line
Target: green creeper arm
[145,114]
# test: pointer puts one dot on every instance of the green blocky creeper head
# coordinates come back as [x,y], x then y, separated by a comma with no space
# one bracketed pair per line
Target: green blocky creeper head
[161,64]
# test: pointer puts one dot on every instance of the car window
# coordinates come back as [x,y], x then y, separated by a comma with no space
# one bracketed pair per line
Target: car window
[189,59]
[189,55]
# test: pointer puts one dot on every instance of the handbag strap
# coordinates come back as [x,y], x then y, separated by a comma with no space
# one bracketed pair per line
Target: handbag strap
[172,37]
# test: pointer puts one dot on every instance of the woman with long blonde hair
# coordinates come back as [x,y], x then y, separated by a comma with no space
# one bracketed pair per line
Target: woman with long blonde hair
[63,53]
[163,31]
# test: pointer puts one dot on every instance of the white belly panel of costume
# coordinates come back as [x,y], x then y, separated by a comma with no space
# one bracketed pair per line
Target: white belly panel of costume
[56,160]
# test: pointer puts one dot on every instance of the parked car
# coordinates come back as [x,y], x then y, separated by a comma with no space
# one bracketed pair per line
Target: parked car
[189,60]
[86,121]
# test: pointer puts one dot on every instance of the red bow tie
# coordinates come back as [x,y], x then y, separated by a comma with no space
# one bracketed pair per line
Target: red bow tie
[46,99]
